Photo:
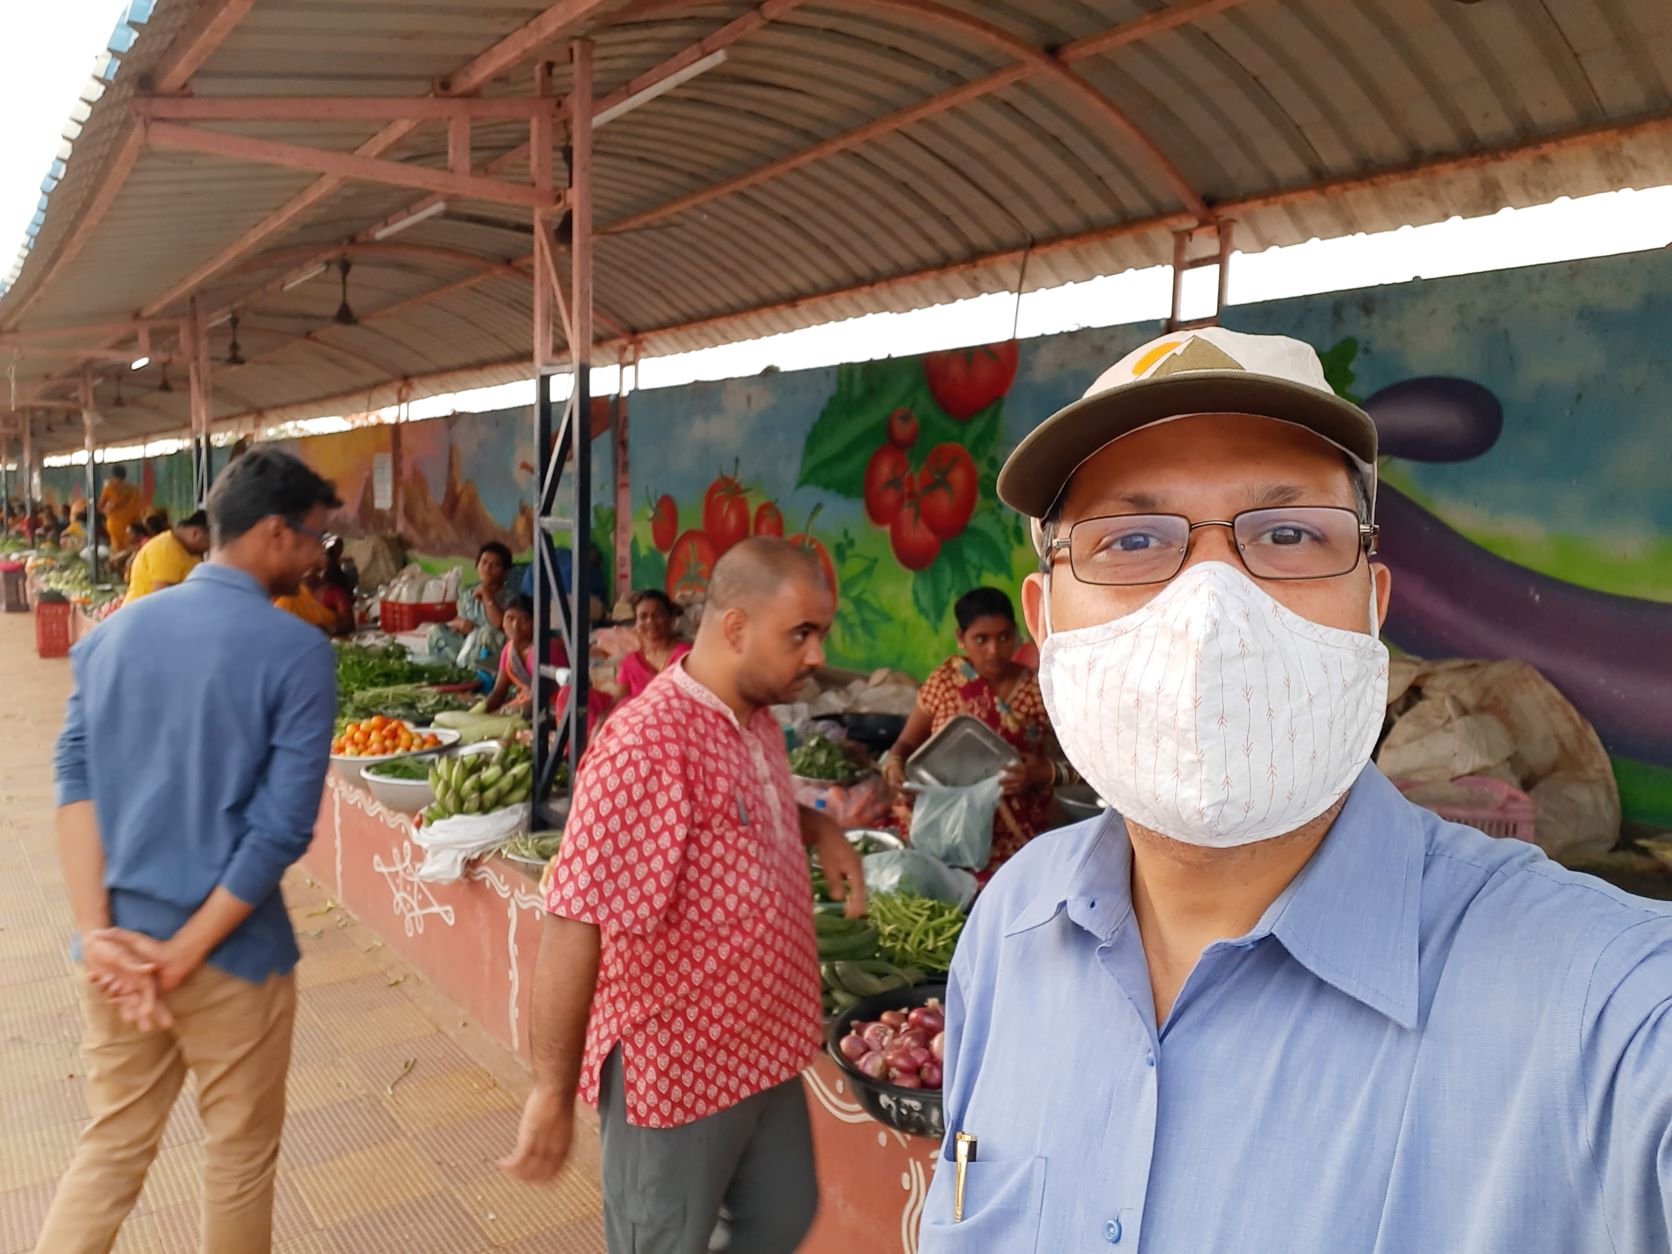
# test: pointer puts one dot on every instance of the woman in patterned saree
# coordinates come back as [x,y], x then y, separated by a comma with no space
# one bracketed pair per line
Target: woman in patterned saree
[986,681]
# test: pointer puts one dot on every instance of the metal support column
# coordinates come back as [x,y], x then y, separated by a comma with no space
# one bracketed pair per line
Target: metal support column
[28,467]
[622,541]
[561,611]
[91,517]
[194,342]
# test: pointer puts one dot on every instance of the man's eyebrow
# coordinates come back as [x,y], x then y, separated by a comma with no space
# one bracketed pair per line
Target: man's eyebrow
[1275,494]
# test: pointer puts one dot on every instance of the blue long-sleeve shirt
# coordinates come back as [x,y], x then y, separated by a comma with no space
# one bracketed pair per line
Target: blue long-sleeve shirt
[1433,1042]
[200,728]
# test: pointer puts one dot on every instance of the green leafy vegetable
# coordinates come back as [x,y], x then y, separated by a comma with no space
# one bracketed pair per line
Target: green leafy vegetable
[401,768]
[819,757]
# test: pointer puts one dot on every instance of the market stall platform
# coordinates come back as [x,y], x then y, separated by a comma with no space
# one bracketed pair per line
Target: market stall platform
[475,940]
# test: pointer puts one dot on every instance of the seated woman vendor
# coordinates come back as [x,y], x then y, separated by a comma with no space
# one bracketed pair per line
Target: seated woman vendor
[653,617]
[514,690]
[475,638]
[986,681]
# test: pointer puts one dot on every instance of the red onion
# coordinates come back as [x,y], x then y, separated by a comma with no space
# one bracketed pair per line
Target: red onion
[937,1046]
[930,1018]
[905,1079]
[893,1018]
[872,1065]
[853,1047]
[920,1057]
[930,1075]
[914,1036]
[879,1036]
[901,1057]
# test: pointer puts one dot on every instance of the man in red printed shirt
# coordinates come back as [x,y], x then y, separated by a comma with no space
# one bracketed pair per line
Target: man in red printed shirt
[677,984]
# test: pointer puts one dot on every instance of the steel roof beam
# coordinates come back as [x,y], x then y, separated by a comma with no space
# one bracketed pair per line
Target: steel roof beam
[304,257]
[172,136]
[212,23]
[123,327]
[340,108]
[1031,61]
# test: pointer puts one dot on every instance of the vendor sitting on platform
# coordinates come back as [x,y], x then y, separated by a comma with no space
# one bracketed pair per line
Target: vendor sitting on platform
[653,618]
[985,681]
[516,660]
[168,558]
[476,636]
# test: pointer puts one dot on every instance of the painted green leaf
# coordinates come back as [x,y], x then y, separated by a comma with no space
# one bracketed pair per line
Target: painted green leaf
[853,423]
[650,568]
[932,592]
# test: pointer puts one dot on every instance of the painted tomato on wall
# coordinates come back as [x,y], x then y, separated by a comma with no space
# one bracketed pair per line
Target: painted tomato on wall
[664,522]
[725,512]
[946,490]
[902,428]
[915,546]
[964,381]
[887,475]
[769,521]
[691,563]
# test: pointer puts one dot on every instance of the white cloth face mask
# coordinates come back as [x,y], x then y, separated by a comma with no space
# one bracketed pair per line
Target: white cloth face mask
[1215,715]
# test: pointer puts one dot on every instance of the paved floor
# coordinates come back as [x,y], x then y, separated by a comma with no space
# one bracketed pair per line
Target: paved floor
[398,1106]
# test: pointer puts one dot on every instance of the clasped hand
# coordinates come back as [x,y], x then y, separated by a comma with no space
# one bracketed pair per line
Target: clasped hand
[134,971]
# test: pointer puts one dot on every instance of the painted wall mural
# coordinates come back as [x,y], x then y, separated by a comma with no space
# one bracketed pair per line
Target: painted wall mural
[1526,507]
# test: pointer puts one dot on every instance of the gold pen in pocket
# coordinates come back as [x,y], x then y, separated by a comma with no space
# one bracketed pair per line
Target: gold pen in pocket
[963,1154]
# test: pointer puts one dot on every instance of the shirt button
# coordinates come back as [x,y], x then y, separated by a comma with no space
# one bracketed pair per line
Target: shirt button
[1149,1058]
[1112,1232]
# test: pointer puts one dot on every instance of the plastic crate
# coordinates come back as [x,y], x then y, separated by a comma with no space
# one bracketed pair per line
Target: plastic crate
[53,623]
[395,617]
[14,587]
[1503,810]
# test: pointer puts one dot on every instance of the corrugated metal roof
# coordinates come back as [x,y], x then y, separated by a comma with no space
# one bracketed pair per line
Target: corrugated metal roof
[1294,118]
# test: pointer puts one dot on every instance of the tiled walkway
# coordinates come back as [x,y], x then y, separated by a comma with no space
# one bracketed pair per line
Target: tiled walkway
[378,1155]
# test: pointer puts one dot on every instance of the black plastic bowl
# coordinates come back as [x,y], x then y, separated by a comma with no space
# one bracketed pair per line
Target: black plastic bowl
[916,1112]
[876,732]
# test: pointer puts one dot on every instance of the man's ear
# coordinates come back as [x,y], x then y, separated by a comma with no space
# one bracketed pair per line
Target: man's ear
[733,623]
[1384,591]
[1033,606]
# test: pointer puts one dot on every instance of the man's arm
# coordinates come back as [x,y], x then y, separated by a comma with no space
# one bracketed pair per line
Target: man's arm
[565,974]
[844,873]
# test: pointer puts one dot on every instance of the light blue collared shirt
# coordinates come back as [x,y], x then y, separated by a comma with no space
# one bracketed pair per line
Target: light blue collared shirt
[1433,1042]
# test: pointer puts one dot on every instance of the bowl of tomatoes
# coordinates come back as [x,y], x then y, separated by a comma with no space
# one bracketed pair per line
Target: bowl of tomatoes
[380,739]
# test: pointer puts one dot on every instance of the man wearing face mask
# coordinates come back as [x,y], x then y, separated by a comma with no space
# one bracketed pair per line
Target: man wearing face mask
[1265,1004]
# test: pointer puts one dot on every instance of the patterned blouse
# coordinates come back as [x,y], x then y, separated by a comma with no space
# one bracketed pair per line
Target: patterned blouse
[954,688]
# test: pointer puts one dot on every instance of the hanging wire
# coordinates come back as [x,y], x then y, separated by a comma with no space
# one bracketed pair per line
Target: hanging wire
[1021,282]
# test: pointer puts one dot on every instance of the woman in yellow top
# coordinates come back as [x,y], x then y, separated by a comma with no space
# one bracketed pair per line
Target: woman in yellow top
[168,558]
[121,504]
[309,604]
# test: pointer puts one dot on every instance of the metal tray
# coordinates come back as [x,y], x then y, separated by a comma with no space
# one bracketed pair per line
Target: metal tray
[963,752]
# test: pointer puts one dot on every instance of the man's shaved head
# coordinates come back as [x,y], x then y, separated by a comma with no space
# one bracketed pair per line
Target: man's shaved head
[753,571]
[762,634]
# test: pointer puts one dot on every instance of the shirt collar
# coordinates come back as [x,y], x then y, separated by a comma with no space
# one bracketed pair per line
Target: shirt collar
[1351,917]
[681,679]
[227,577]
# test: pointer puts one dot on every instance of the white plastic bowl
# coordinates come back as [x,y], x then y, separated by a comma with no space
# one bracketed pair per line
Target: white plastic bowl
[408,796]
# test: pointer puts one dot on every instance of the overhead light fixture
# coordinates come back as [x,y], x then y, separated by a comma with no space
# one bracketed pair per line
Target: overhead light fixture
[344,316]
[411,219]
[300,279]
[139,363]
[662,87]
[233,356]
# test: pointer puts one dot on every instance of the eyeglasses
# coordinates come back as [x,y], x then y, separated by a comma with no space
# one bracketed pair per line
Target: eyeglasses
[1295,542]
[322,537]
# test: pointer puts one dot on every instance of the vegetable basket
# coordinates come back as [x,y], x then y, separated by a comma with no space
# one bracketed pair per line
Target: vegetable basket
[916,1112]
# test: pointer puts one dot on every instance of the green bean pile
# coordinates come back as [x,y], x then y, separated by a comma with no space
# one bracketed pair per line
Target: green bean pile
[916,931]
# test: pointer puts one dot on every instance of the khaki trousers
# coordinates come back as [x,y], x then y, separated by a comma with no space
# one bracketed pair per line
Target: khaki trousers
[234,1037]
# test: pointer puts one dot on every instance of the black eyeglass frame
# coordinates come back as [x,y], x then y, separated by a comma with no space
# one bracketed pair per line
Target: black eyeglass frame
[1369,534]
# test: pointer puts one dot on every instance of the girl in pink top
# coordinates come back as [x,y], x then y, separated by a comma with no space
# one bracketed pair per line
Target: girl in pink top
[653,618]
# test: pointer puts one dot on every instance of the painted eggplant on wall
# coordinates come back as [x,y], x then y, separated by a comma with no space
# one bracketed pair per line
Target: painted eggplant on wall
[1610,655]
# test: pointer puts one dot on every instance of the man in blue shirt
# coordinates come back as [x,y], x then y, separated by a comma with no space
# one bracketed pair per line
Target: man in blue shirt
[189,773]
[1265,1005]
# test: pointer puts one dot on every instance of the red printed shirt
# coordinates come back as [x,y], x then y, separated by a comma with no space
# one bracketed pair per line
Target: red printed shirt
[683,847]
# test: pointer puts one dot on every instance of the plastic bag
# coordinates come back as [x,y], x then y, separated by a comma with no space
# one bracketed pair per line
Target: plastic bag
[915,872]
[956,824]
[450,843]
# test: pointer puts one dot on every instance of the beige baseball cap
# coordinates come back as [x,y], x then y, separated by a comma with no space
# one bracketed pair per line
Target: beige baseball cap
[1205,371]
